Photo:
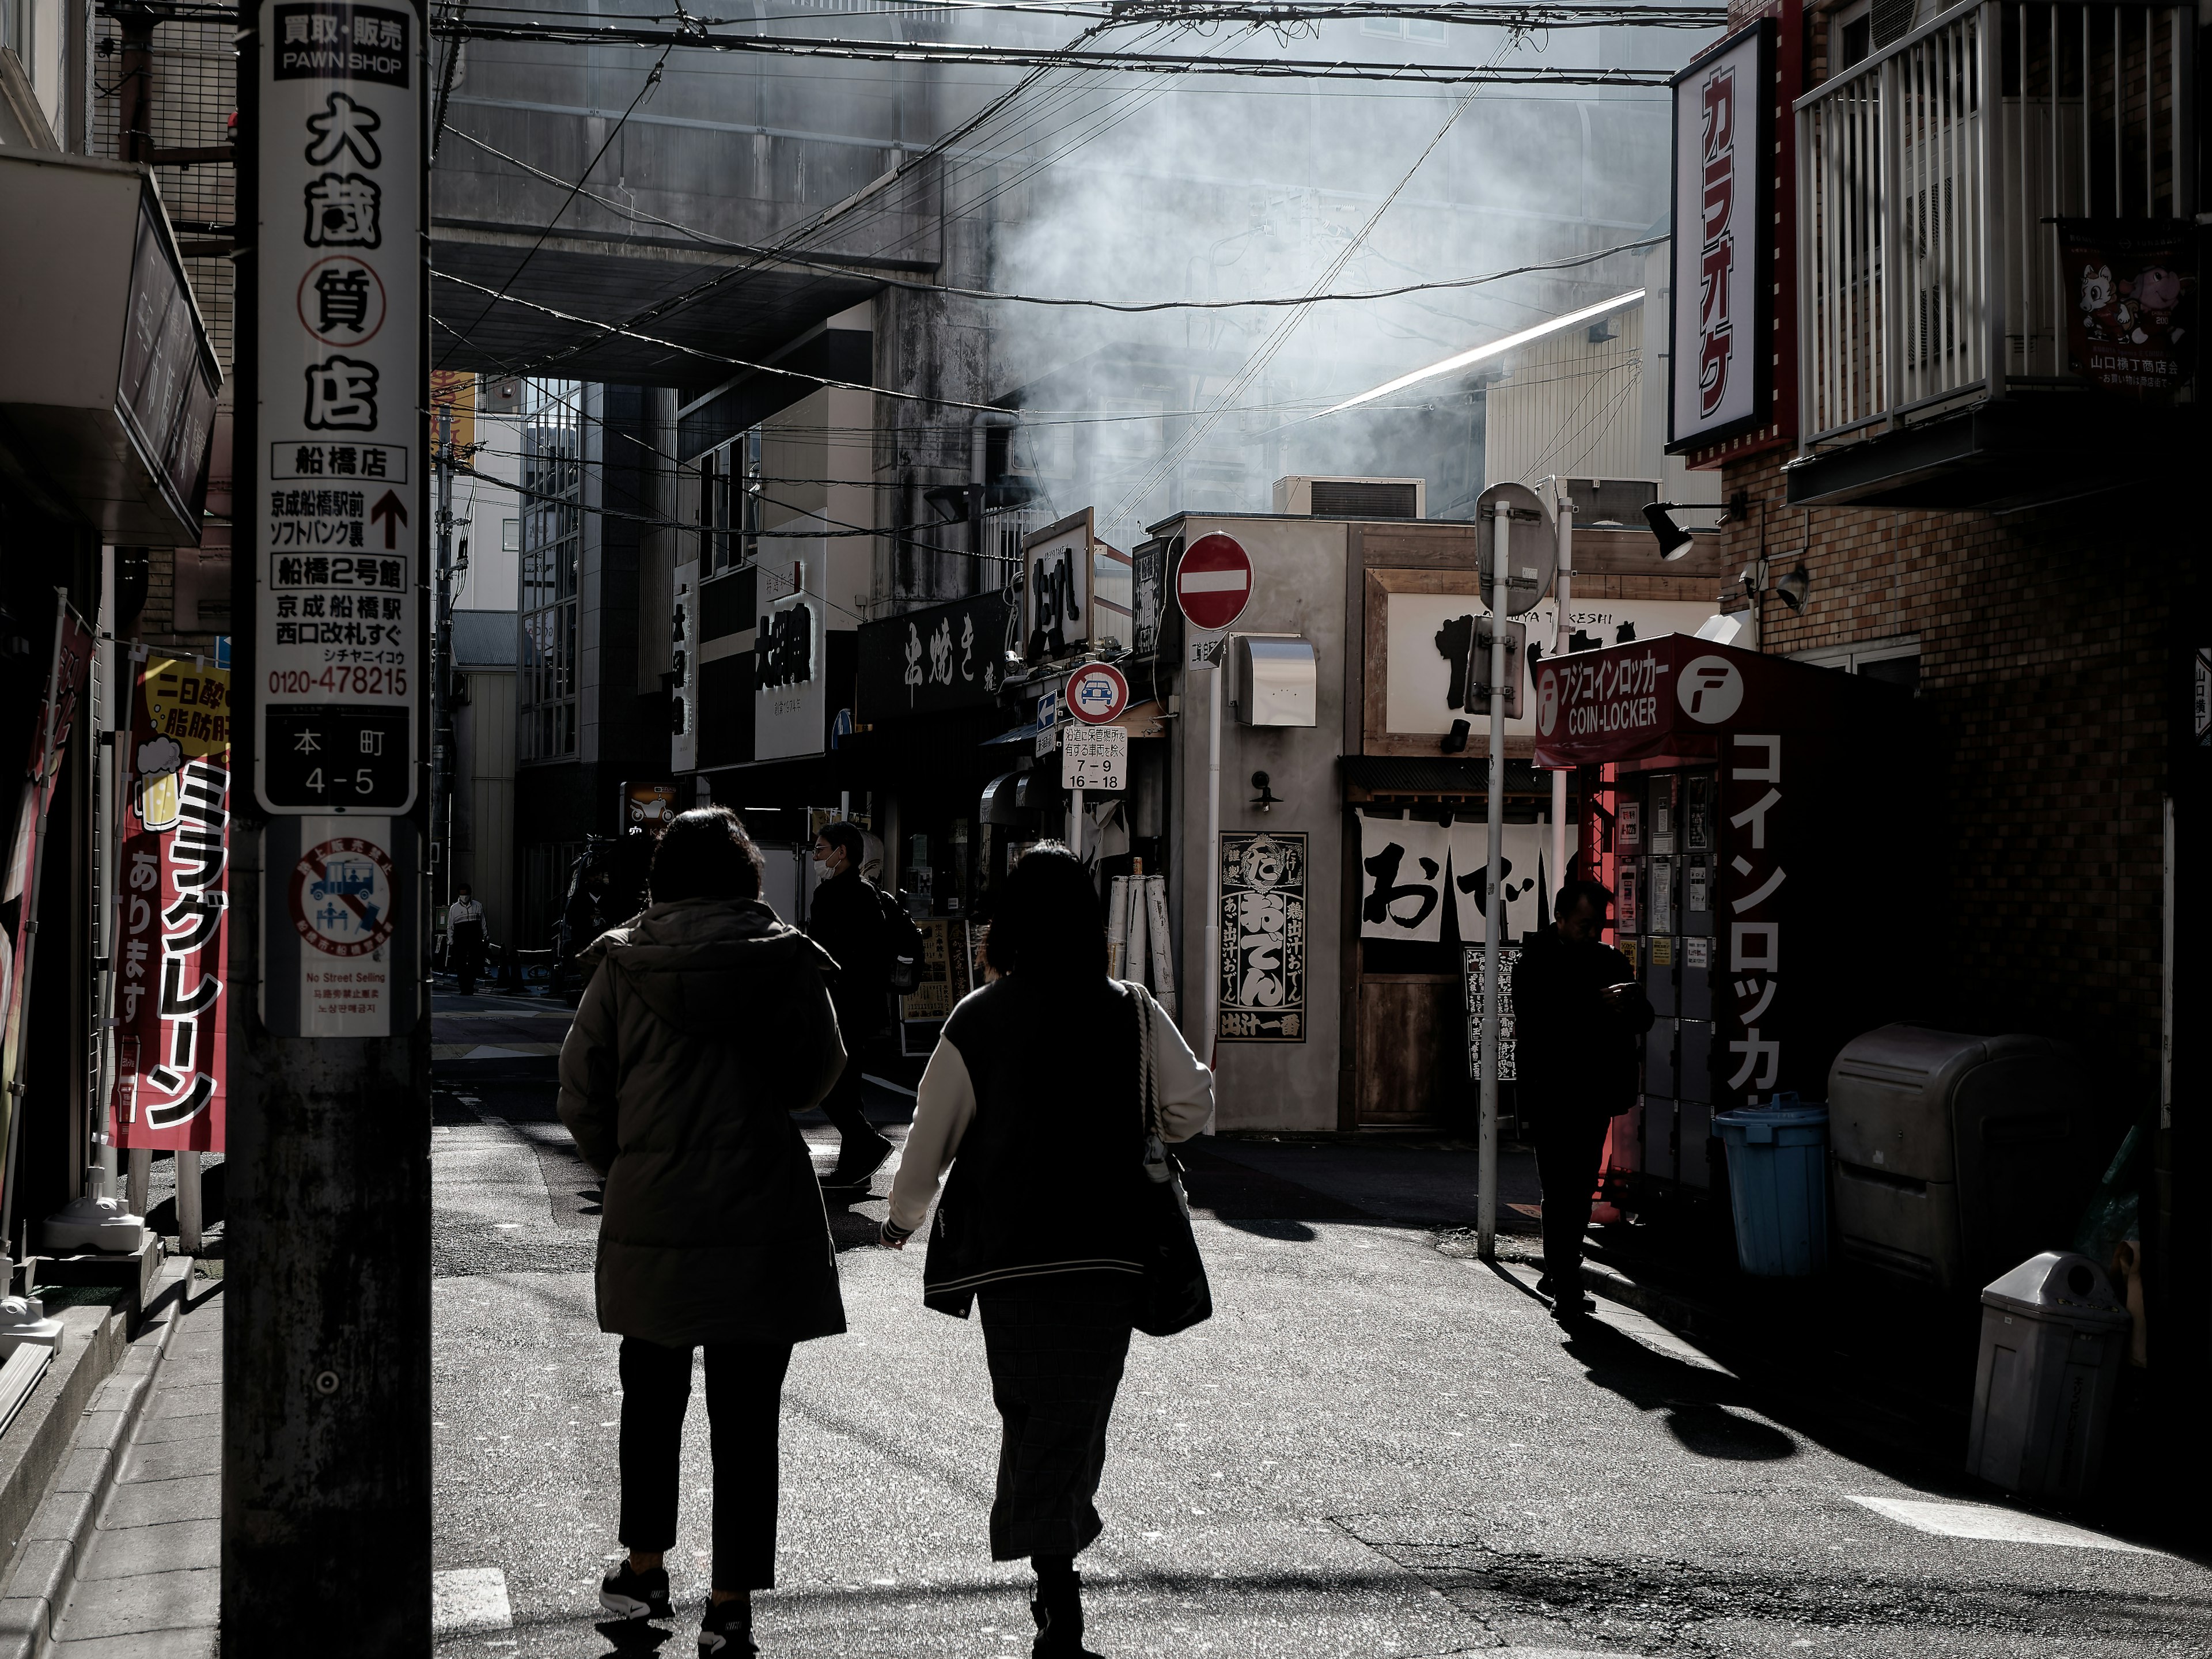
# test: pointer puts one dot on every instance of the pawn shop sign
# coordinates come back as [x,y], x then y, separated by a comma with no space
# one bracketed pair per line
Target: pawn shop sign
[1213,583]
[1097,693]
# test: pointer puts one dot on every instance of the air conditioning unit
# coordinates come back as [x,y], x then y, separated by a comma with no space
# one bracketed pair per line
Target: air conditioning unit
[1352,498]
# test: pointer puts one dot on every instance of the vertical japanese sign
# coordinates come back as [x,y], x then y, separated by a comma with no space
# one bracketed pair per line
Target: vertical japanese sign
[170,1072]
[1470,978]
[1057,569]
[335,520]
[72,658]
[1748,1002]
[1721,376]
[1262,973]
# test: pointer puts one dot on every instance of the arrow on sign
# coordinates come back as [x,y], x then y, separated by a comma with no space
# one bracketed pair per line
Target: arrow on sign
[393,512]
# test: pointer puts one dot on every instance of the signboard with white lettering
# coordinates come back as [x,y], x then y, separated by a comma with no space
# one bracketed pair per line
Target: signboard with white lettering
[337,522]
[1721,374]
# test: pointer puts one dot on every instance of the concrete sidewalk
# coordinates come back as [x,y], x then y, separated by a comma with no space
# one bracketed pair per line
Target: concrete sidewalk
[148,1576]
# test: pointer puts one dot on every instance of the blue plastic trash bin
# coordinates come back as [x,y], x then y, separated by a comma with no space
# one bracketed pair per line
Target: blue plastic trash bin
[1777,1164]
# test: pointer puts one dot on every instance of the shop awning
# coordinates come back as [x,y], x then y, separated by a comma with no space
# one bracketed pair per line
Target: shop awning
[1673,696]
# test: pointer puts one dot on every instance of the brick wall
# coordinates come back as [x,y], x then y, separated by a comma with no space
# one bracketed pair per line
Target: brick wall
[2042,639]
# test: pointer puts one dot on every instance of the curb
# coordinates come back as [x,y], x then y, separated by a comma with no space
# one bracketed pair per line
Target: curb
[45,1568]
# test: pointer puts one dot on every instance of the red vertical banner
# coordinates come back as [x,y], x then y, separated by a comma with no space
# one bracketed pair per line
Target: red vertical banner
[170,1071]
[49,734]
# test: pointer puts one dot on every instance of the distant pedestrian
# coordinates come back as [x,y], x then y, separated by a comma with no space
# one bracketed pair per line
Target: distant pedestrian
[464,938]
[1577,1013]
[1049,1191]
[846,919]
[705,1024]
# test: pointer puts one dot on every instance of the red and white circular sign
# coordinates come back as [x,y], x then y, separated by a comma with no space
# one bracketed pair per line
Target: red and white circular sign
[1097,693]
[342,896]
[1214,581]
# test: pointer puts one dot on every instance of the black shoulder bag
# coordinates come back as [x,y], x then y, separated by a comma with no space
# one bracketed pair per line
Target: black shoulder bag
[1175,1295]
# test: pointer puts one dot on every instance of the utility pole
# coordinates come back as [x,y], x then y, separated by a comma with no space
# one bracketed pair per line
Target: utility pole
[1563,584]
[326,1335]
[1493,923]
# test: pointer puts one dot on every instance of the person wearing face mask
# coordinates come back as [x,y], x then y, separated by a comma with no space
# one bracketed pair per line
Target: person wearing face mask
[846,919]
[1578,1012]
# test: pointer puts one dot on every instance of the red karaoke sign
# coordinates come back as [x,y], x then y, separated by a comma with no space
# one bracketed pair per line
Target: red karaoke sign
[1214,581]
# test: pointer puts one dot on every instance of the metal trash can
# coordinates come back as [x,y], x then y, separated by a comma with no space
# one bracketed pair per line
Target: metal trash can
[2052,1336]
[1777,1167]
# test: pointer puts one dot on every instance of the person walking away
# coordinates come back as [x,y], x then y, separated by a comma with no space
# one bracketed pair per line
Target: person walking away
[1043,1218]
[846,919]
[705,1024]
[464,938]
[1578,1012]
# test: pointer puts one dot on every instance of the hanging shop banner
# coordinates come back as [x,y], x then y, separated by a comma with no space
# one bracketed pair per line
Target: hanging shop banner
[1721,372]
[336,519]
[171,1001]
[1525,856]
[1402,889]
[1262,991]
[927,662]
[338,933]
[1057,569]
[948,970]
[1508,959]
[2132,327]
[49,733]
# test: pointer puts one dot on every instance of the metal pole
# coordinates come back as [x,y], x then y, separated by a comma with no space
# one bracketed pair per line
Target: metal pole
[1211,968]
[442,653]
[1560,594]
[1486,1177]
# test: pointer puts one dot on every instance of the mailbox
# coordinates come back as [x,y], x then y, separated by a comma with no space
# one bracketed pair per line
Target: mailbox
[1275,679]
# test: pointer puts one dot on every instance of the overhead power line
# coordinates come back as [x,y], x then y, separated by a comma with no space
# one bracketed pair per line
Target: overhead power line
[1480,14]
[479,25]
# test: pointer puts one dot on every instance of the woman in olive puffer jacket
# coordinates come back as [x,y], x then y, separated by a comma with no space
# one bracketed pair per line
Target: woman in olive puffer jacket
[705,1024]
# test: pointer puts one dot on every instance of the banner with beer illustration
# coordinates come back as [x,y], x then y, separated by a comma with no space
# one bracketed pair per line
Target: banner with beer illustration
[19,897]
[170,1072]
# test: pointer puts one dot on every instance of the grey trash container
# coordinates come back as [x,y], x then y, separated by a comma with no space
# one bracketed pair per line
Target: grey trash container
[2052,1336]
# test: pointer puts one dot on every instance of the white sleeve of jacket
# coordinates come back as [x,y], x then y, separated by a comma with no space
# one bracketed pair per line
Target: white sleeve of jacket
[1186,1088]
[943,1107]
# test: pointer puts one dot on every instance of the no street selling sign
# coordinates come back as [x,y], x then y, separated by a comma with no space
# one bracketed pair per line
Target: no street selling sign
[1213,583]
[337,519]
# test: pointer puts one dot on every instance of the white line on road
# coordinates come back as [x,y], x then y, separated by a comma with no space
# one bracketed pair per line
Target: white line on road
[1991,1522]
[469,1598]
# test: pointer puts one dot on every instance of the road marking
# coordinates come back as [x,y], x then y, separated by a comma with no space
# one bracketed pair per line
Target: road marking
[486,1051]
[1992,1522]
[469,1598]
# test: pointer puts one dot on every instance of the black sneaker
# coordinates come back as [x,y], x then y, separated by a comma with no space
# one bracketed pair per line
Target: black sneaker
[856,1165]
[626,1595]
[726,1632]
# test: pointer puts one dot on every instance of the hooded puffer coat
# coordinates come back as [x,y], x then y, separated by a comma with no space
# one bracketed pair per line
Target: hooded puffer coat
[705,1025]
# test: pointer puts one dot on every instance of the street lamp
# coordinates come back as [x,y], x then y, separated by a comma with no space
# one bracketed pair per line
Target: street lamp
[1675,541]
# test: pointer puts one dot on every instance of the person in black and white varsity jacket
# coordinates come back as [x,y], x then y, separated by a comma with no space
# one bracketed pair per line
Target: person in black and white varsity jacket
[1033,1098]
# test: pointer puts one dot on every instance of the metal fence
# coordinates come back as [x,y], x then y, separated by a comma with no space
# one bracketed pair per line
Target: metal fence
[1928,265]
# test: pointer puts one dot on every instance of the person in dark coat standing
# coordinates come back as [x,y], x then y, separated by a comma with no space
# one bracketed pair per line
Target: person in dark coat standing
[1578,1012]
[705,1024]
[846,919]
[1044,1218]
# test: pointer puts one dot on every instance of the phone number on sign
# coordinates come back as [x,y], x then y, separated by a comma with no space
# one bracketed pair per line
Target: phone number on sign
[360,682]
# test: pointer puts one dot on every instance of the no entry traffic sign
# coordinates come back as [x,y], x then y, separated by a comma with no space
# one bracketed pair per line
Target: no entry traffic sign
[1214,581]
[1097,693]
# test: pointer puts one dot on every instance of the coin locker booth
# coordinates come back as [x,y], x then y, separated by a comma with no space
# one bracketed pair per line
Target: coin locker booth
[1747,812]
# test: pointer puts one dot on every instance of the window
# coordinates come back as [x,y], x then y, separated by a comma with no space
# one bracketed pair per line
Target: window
[551,541]
[510,535]
[1850,36]
[730,503]
[1421,31]
[1894,661]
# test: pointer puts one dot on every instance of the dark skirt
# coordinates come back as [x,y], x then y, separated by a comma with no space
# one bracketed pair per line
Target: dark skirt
[1056,1346]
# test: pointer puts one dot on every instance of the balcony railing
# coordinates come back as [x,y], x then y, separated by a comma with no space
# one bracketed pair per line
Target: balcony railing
[1928,176]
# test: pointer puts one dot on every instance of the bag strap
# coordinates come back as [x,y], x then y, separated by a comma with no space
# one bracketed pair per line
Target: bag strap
[1147,1059]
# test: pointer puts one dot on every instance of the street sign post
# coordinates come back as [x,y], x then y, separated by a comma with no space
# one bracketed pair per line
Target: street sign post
[1097,693]
[1213,584]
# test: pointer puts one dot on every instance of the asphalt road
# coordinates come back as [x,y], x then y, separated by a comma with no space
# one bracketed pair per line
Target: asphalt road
[1375,1449]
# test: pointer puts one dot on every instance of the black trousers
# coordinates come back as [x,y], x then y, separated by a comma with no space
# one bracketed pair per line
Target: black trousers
[468,951]
[744,1398]
[1055,1346]
[1569,1146]
[841,1106]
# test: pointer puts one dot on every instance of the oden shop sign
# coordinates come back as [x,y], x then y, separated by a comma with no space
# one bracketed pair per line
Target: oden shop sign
[1611,695]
